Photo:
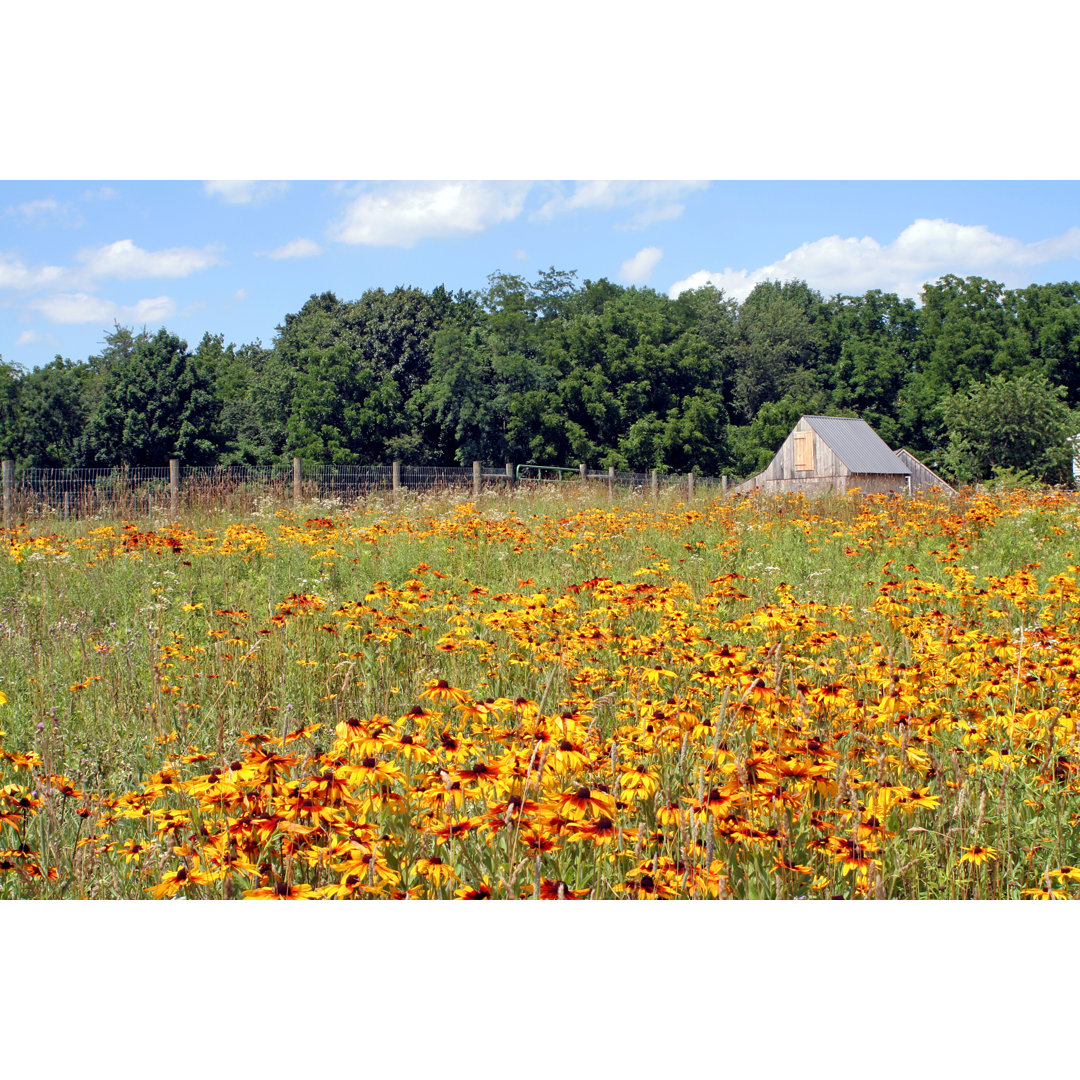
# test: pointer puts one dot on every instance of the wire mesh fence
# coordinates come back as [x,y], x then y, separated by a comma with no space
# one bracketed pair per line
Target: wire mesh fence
[133,492]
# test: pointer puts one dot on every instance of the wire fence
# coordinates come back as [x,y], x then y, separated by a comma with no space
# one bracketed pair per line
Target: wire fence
[133,492]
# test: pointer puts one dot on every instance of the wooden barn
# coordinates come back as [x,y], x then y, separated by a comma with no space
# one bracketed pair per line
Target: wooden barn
[836,453]
[923,478]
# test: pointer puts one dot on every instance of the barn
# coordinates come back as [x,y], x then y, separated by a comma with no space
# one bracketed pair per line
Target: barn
[837,453]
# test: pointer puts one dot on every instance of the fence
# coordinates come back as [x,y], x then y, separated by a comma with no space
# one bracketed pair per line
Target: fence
[134,492]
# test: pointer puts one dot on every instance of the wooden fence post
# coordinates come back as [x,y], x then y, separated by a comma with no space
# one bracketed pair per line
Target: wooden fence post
[8,470]
[690,485]
[611,483]
[395,480]
[723,484]
[476,479]
[654,484]
[67,504]
[296,481]
[584,471]
[174,484]
[509,475]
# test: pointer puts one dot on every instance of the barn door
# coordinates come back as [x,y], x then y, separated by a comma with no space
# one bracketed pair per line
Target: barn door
[804,450]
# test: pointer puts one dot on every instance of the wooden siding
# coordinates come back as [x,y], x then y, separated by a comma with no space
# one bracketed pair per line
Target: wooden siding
[828,474]
[923,478]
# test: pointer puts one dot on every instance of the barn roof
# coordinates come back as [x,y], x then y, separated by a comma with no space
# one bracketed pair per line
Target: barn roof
[857,445]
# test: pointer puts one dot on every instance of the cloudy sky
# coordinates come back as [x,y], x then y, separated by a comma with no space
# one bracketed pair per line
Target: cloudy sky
[234,257]
[127,230]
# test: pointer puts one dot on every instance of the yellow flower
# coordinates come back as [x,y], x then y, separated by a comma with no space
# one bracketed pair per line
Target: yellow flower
[977,855]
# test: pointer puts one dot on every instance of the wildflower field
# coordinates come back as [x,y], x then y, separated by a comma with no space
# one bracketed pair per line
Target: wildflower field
[544,695]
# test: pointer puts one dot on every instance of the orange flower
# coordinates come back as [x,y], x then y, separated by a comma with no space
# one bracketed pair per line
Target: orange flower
[441,690]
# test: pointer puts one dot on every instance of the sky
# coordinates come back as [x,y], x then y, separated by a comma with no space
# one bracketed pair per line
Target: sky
[234,257]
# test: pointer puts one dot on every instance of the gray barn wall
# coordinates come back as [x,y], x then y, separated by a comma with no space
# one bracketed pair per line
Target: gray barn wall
[829,472]
[922,478]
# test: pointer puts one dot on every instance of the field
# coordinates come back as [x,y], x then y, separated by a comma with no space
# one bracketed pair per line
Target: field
[544,695]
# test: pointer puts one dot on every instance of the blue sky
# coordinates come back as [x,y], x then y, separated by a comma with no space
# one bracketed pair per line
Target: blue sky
[119,110]
[235,257]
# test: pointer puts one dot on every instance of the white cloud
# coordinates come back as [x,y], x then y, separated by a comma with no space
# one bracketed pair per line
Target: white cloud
[923,252]
[47,211]
[301,248]
[650,216]
[240,295]
[27,337]
[75,308]
[15,274]
[102,193]
[660,200]
[151,310]
[400,215]
[638,270]
[83,308]
[122,259]
[241,192]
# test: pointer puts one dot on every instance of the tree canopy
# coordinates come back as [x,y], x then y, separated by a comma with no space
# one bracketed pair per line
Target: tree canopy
[556,371]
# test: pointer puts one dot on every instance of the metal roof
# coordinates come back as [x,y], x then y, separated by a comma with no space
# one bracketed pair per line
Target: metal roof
[857,445]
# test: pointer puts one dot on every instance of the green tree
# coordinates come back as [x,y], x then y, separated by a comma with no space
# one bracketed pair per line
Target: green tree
[628,384]
[780,345]
[1020,423]
[1048,318]
[969,334]
[54,408]
[342,376]
[157,403]
[11,380]
[877,353]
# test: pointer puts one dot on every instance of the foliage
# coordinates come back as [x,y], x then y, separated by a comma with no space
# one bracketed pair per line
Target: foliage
[1022,423]
[158,402]
[553,371]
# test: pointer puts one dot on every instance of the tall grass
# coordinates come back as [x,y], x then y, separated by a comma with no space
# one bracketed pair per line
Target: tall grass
[126,646]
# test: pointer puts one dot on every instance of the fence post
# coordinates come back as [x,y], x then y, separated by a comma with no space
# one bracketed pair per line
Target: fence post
[174,484]
[690,485]
[476,479]
[654,484]
[509,474]
[8,470]
[611,483]
[67,504]
[723,484]
[296,481]
[395,480]
[584,472]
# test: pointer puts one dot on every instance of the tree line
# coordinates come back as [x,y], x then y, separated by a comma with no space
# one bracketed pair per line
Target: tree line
[975,379]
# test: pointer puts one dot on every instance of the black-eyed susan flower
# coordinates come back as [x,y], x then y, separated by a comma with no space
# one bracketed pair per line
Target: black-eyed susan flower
[977,855]
[183,878]
[551,889]
[436,871]
[439,690]
[475,892]
[281,890]
[584,802]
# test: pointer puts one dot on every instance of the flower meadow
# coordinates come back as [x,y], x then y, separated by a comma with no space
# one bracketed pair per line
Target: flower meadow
[546,695]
